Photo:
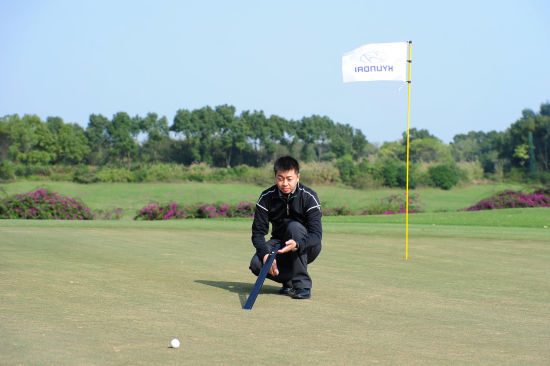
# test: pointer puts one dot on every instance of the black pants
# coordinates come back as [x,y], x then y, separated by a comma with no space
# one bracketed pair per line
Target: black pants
[292,265]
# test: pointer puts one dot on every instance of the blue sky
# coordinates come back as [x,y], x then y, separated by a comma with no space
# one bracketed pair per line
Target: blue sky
[476,64]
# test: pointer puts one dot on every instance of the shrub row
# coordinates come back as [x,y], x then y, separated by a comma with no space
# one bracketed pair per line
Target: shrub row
[390,173]
[156,211]
[43,204]
[393,173]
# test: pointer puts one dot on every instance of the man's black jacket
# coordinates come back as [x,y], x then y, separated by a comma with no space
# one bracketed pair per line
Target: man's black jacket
[301,205]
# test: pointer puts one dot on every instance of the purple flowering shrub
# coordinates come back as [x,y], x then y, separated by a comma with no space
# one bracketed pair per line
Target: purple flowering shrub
[156,211]
[513,199]
[43,204]
[243,209]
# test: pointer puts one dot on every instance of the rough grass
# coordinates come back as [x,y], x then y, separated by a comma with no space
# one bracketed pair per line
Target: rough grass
[110,293]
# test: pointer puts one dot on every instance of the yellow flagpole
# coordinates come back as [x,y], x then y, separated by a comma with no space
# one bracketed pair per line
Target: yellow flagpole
[408,119]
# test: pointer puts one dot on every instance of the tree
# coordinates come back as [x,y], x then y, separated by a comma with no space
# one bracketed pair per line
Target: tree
[122,130]
[467,147]
[30,140]
[541,137]
[204,120]
[514,144]
[290,137]
[393,150]
[478,146]
[341,140]
[4,137]
[188,151]
[198,128]
[237,135]
[182,124]
[346,140]
[157,131]
[155,128]
[415,134]
[424,147]
[317,131]
[231,134]
[97,135]
[515,136]
[258,133]
[313,130]
[54,124]
[277,129]
[429,150]
[545,109]
[72,144]
[44,149]
[359,143]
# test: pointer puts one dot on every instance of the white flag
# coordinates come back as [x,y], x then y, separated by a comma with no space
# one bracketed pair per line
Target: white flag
[376,61]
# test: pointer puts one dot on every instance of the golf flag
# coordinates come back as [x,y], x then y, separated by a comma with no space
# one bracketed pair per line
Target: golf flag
[383,61]
[376,61]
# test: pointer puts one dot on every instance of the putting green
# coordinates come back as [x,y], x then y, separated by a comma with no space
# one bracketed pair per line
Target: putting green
[111,293]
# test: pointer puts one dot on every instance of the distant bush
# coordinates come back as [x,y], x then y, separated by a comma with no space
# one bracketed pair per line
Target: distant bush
[43,204]
[82,174]
[388,172]
[315,173]
[444,176]
[337,211]
[513,199]
[109,174]
[7,170]
[394,204]
[470,171]
[347,168]
[393,173]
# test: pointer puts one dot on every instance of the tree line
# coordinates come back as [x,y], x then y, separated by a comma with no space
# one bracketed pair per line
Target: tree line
[221,138]
[216,136]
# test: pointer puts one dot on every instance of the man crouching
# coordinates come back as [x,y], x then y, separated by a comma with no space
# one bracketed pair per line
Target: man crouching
[294,212]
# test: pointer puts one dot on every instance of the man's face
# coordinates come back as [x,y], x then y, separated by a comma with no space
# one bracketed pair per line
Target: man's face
[286,181]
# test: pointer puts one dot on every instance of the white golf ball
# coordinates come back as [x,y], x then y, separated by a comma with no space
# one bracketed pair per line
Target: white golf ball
[175,343]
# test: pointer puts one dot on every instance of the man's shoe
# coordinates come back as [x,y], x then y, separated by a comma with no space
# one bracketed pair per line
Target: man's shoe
[286,291]
[302,293]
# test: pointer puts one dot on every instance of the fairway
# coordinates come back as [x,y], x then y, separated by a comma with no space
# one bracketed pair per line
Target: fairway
[109,293]
[95,293]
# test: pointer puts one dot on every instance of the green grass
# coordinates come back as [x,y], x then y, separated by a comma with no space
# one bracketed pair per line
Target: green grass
[132,197]
[115,292]
[537,217]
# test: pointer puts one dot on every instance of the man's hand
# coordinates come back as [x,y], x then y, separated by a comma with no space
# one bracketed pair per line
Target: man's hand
[289,246]
[273,270]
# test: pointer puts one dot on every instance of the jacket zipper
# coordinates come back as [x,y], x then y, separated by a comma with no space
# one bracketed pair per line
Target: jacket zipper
[287,208]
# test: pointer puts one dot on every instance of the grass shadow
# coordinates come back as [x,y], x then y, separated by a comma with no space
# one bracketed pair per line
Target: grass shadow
[242,289]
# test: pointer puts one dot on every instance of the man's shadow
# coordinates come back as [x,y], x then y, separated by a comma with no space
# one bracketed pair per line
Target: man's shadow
[242,289]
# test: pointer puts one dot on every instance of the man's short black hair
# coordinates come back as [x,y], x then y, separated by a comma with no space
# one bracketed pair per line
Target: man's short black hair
[286,163]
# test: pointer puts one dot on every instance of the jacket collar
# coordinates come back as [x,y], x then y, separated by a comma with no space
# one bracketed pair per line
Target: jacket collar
[290,195]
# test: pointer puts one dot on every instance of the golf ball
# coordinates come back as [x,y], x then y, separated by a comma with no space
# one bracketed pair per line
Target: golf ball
[175,343]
